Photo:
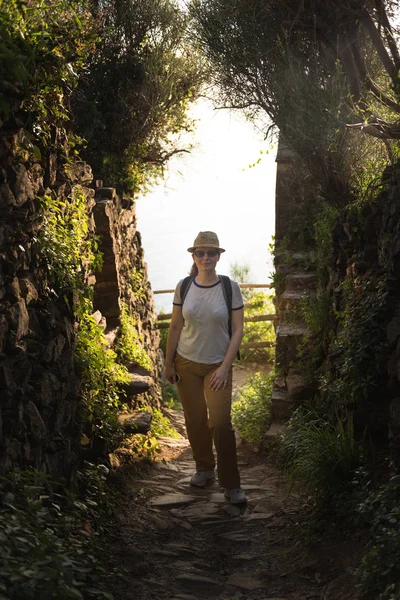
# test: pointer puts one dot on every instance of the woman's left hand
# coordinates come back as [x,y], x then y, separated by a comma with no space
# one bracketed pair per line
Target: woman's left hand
[219,378]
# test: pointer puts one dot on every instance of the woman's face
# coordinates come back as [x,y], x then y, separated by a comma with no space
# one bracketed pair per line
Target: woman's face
[206,258]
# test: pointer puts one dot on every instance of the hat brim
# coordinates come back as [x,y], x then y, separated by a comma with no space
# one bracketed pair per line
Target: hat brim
[193,248]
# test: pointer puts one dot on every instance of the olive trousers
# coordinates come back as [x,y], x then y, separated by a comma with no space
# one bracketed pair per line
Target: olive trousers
[208,418]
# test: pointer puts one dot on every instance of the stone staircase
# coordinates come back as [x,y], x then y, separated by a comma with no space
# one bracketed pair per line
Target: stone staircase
[290,387]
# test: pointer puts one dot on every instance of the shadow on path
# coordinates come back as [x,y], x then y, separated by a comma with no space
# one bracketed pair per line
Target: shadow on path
[179,542]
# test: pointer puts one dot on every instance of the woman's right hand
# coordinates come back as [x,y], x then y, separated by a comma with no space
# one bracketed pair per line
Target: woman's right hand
[170,374]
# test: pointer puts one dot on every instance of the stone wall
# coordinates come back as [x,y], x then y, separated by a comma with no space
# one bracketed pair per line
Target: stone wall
[295,278]
[367,244]
[38,384]
[124,281]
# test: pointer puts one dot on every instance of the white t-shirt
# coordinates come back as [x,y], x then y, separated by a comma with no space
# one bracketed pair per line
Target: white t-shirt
[205,335]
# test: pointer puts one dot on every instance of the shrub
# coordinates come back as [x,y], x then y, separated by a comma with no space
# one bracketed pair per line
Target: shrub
[256,303]
[170,395]
[259,303]
[128,341]
[251,412]
[379,572]
[102,382]
[48,541]
[65,245]
[320,455]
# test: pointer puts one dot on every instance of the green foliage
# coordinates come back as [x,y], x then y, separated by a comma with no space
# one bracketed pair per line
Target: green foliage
[379,570]
[360,345]
[146,446]
[256,303]
[260,303]
[48,540]
[128,342]
[326,217]
[68,250]
[43,49]
[132,103]
[321,455]
[161,425]
[170,395]
[251,412]
[102,380]
[163,339]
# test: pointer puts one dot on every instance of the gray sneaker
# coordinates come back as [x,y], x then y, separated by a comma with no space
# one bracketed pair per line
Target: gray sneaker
[201,477]
[236,496]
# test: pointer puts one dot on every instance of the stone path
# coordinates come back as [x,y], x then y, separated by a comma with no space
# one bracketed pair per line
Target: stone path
[183,543]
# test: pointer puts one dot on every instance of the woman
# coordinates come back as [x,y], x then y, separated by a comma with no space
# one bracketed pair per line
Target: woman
[199,358]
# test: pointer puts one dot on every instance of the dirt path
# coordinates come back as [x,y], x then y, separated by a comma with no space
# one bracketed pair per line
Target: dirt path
[177,542]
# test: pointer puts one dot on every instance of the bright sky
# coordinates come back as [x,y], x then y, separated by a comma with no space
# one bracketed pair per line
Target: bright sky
[214,189]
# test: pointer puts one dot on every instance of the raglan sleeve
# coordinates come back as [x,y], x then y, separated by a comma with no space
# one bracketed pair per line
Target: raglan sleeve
[177,295]
[237,298]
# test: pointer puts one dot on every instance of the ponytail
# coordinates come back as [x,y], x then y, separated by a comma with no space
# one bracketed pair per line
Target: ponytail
[194,270]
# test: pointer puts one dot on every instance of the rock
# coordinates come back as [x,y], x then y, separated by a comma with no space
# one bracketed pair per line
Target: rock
[217,497]
[260,516]
[231,510]
[20,184]
[35,423]
[236,536]
[79,172]
[282,405]
[28,291]
[247,581]
[297,387]
[19,318]
[3,331]
[6,196]
[138,384]
[170,500]
[246,556]
[197,580]
[137,422]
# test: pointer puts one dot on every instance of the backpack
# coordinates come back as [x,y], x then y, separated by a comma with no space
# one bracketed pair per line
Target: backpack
[227,290]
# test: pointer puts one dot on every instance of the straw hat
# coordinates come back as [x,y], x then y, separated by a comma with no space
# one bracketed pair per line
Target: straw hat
[209,239]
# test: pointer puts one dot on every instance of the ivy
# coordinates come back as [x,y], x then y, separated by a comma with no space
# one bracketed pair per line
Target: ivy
[129,340]
[102,382]
[66,245]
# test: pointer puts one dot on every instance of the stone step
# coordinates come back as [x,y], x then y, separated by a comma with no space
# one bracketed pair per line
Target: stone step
[288,338]
[301,281]
[287,304]
[282,405]
[299,260]
[291,330]
[137,384]
[138,421]
[273,435]
[298,388]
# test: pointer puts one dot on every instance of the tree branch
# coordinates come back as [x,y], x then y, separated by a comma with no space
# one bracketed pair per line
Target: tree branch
[379,45]
[390,40]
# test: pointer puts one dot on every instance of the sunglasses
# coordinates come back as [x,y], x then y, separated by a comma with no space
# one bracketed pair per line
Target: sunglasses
[202,253]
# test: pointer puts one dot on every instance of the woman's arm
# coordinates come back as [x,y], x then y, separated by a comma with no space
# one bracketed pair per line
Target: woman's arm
[174,333]
[219,378]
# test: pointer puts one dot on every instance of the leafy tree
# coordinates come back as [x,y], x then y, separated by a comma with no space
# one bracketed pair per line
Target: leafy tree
[133,99]
[323,71]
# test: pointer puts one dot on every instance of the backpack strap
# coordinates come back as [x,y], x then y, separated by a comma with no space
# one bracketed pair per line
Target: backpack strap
[227,290]
[186,283]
